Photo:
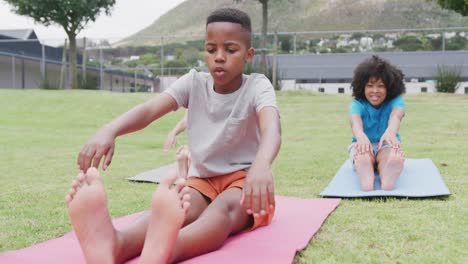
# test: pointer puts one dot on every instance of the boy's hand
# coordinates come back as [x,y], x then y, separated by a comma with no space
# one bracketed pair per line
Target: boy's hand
[363,145]
[391,139]
[100,145]
[258,196]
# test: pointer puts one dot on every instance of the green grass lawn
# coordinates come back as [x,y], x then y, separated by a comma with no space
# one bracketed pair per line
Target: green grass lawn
[41,133]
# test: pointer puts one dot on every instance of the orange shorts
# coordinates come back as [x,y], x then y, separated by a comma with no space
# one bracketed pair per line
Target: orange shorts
[213,186]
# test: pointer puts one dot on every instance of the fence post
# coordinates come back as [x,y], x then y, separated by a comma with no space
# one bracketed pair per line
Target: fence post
[23,79]
[295,39]
[43,63]
[101,70]
[162,62]
[275,52]
[64,61]
[443,41]
[135,80]
[83,62]
[13,71]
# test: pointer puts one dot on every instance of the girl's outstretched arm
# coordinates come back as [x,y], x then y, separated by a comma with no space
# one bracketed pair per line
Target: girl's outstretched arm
[363,143]
[394,122]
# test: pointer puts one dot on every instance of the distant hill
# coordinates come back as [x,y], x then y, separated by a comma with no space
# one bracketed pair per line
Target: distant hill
[187,21]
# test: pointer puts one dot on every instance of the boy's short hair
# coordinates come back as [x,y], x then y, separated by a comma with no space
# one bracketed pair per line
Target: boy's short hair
[231,15]
[378,68]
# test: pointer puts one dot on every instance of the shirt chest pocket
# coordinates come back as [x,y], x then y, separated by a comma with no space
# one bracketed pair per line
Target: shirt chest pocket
[235,130]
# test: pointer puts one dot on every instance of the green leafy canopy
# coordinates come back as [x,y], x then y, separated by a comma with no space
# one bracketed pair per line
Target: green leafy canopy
[460,6]
[72,15]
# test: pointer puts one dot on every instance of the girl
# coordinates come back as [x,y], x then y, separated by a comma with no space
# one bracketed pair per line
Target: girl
[375,114]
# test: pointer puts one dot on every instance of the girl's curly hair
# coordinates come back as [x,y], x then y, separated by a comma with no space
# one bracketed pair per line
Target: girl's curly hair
[378,68]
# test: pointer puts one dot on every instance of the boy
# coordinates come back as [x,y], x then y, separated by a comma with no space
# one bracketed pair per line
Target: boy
[233,136]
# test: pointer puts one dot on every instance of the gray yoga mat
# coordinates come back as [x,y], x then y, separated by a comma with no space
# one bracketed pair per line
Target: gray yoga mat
[154,175]
[419,178]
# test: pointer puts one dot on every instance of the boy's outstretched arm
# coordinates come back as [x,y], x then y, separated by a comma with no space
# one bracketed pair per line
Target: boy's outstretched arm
[102,144]
[394,122]
[363,143]
[258,195]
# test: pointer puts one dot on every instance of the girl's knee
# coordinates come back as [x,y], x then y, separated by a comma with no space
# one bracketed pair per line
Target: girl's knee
[396,159]
[367,187]
[387,186]
[363,160]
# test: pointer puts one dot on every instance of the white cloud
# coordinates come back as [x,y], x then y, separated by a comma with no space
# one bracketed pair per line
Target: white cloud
[127,17]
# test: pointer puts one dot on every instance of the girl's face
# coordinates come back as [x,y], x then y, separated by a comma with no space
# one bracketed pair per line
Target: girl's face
[375,92]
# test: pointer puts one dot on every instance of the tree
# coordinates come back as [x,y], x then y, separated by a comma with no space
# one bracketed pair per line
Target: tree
[460,6]
[264,34]
[409,43]
[72,15]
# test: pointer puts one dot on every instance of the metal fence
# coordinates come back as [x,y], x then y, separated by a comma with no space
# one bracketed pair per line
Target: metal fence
[153,65]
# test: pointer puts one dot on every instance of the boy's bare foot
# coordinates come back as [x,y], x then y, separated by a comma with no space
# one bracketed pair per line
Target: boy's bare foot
[87,207]
[168,208]
[183,161]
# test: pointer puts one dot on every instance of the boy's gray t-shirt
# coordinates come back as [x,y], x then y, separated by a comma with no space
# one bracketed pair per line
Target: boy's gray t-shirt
[223,129]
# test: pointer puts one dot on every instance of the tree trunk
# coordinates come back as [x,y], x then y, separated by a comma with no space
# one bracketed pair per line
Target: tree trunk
[72,71]
[263,64]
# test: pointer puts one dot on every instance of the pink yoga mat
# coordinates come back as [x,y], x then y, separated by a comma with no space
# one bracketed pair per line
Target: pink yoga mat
[295,223]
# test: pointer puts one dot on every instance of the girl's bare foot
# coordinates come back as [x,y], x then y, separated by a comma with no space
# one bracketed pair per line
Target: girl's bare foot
[391,169]
[168,208]
[87,207]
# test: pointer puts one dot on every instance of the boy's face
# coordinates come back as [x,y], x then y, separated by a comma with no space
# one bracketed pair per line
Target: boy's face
[226,53]
[375,92]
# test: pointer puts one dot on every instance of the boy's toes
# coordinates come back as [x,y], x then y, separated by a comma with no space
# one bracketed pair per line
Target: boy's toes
[92,174]
[168,180]
[68,199]
[75,184]
[180,183]
[185,190]
[80,178]
[186,198]
[185,206]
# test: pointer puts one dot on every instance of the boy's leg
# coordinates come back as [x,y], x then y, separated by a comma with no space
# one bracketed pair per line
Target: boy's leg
[390,164]
[99,240]
[133,236]
[224,216]
[168,209]
[364,164]
[87,207]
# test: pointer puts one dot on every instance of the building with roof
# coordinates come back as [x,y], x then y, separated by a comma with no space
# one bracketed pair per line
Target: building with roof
[332,73]
[26,63]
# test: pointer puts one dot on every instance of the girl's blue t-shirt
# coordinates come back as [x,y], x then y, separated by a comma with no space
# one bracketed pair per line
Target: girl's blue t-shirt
[375,120]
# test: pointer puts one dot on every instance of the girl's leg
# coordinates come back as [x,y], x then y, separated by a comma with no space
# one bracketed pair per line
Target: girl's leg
[364,164]
[390,164]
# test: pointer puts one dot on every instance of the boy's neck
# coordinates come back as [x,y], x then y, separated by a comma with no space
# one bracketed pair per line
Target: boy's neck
[231,87]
